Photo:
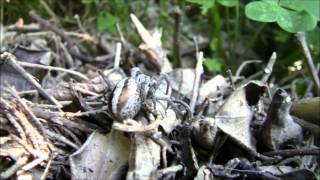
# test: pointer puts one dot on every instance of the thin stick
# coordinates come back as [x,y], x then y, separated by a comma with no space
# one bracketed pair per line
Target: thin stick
[269,68]
[5,108]
[25,108]
[170,170]
[61,139]
[244,64]
[32,65]
[176,37]
[63,35]
[25,124]
[52,27]
[131,125]
[11,60]
[46,170]
[196,85]
[294,152]
[49,11]
[123,40]
[313,71]
[117,56]
[231,79]
[76,16]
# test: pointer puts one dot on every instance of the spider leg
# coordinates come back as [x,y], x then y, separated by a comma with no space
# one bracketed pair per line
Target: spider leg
[173,103]
[163,77]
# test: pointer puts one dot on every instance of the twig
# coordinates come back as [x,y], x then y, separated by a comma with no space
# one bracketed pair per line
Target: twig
[123,40]
[82,36]
[313,71]
[46,170]
[244,64]
[50,26]
[176,37]
[80,24]
[61,139]
[30,165]
[10,59]
[79,114]
[231,79]
[117,56]
[131,125]
[67,55]
[49,11]
[33,65]
[25,124]
[269,68]
[25,108]
[196,85]
[294,152]
[169,170]
[27,147]
[63,35]
[4,105]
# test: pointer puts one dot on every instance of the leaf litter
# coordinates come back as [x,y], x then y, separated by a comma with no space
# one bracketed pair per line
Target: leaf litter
[57,122]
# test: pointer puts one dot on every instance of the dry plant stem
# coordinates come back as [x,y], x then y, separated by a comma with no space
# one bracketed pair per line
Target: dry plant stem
[313,71]
[176,37]
[32,65]
[123,40]
[61,139]
[196,85]
[51,27]
[117,56]
[21,120]
[25,108]
[79,114]
[83,30]
[63,35]
[269,68]
[231,79]
[170,170]
[28,148]
[31,165]
[49,11]
[295,152]
[11,60]
[46,170]
[72,135]
[131,125]
[54,117]
[244,64]
[68,58]
[5,107]
[82,36]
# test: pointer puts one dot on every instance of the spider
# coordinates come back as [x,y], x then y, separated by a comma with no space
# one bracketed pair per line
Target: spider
[136,92]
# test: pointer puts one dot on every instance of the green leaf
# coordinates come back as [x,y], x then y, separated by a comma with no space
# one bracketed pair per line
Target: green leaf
[212,64]
[293,21]
[312,6]
[263,11]
[291,15]
[313,39]
[107,22]
[228,3]
[213,44]
[205,5]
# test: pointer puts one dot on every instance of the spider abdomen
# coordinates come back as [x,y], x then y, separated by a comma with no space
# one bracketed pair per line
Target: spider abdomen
[126,99]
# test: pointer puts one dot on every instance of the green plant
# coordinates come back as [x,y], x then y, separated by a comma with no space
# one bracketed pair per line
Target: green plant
[291,15]
[211,7]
